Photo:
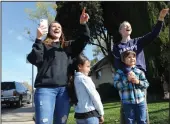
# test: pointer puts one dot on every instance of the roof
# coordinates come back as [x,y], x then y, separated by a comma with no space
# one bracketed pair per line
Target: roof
[100,63]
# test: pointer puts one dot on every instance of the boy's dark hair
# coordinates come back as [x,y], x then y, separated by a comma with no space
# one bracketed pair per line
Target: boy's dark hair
[71,70]
[127,53]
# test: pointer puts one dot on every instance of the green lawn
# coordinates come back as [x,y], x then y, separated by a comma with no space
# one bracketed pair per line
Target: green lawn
[158,113]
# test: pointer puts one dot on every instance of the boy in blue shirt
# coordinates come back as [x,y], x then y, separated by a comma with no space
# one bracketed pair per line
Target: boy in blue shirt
[131,90]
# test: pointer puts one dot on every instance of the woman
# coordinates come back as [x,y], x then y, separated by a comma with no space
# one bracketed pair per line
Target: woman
[52,58]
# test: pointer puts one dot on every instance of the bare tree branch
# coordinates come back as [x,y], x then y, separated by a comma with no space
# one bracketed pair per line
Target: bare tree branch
[103,32]
[98,45]
[99,34]
[31,38]
[101,47]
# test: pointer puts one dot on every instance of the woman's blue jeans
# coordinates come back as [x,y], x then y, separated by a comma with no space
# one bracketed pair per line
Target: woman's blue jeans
[51,105]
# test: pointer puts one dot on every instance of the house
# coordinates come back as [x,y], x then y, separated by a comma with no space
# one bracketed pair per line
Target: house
[102,72]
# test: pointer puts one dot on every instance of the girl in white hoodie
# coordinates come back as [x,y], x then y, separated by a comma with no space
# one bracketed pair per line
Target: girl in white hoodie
[89,108]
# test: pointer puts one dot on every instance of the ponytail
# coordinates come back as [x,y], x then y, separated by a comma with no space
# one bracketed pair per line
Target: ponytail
[71,86]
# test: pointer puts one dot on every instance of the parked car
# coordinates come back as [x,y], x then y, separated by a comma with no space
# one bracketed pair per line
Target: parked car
[14,93]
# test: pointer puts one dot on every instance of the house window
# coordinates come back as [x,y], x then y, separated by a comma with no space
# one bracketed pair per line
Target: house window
[98,74]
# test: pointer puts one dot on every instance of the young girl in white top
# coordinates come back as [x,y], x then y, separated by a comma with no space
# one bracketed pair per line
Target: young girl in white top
[89,108]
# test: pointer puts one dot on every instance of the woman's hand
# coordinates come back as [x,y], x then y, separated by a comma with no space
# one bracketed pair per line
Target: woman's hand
[163,13]
[84,17]
[41,30]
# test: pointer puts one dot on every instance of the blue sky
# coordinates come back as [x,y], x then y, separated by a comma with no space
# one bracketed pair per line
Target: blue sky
[15,46]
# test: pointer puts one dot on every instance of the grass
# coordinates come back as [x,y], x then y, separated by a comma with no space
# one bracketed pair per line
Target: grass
[158,113]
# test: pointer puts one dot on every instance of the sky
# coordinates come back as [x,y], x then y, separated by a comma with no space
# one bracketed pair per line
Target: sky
[15,46]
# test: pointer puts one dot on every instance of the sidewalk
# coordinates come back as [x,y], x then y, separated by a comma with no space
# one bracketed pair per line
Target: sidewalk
[22,115]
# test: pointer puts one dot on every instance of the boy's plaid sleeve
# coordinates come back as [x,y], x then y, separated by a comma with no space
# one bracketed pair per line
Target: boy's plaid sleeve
[117,81]
[143,82]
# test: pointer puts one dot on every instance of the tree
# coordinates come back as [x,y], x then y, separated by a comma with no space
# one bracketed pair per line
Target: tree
[105,18]
[26,84]
[68,16]
[44,10]
[94,61]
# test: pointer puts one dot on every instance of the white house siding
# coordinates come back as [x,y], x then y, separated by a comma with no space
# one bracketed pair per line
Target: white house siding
[106,76]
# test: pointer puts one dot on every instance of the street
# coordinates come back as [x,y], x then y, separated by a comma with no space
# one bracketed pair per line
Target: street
[7,109]
[14,115]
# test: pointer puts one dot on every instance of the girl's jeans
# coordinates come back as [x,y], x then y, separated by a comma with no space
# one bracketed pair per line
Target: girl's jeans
[92,120]
[51,105]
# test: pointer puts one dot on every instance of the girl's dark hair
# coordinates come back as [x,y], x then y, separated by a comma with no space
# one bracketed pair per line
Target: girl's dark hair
[81,59]
[127,53]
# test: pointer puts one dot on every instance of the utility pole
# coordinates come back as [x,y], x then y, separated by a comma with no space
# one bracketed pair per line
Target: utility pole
[169,65]
[0,49]
[32,82]
[32,85]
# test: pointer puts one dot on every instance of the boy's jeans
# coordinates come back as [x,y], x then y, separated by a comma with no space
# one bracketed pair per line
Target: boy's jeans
[51,104]
[92,120]
[135,112]
[122,119]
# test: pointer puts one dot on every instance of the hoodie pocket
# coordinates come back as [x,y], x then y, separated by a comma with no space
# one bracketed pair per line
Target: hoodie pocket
[48,73]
